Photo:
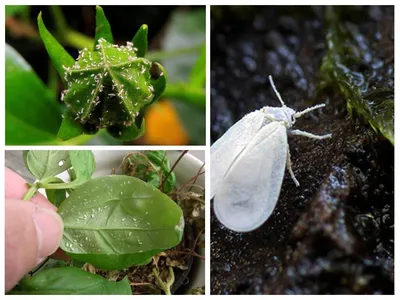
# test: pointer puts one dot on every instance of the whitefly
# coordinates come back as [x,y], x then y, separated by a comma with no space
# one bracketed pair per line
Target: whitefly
[248,164]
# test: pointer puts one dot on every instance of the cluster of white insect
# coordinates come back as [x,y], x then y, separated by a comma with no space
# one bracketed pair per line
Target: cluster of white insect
[248,164]
[112,74]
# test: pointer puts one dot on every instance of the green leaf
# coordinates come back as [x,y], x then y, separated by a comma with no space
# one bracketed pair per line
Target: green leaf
[32,115]
[118,215]
[109,86]
[83,163]
[158,79]
[186,29]
[103,28]
[151,170]
[197,76]
[140,41]
[72,174]
[71,281]
[187,94]
[69,128]
[116,261]
[127,133]
[50,264]
[12,10]
[339,70]
[161,161]
[46,163]
[193,120]
[56,197]
[59,56]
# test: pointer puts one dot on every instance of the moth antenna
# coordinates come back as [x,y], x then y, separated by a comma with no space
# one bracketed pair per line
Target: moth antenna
[275,90]
[307,110]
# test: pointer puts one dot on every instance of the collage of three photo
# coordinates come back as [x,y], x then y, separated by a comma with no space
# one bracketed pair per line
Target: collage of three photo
[199,150]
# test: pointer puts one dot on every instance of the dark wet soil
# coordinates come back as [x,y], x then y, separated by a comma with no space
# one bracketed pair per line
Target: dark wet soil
[335,233]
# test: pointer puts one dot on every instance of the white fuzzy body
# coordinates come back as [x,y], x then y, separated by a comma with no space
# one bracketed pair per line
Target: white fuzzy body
[248,164]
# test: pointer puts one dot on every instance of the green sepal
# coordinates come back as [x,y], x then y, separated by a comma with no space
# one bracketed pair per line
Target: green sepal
[140,40]
[69,128]
[59,56]
[158,80]
[103,28]
[127,133]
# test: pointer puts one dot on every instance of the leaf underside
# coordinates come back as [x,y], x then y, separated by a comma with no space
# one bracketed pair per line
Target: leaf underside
[119,217]
[71,281]
[46,163]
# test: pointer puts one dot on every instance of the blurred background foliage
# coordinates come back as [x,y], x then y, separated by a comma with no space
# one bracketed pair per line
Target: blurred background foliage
[176,40]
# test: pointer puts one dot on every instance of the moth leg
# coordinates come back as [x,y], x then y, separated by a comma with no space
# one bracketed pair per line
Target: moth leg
[289,167]
[310,135]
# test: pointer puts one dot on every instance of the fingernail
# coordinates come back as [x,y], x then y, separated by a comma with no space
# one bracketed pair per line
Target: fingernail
[49,227]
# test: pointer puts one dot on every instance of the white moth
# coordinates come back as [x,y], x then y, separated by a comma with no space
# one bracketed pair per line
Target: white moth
[248,164]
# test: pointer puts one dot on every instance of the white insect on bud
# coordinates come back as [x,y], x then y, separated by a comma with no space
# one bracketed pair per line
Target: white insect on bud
[248,164]
[63,93]
[129,46]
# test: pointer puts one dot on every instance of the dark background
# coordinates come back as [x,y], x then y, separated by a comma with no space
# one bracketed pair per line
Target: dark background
[124,22]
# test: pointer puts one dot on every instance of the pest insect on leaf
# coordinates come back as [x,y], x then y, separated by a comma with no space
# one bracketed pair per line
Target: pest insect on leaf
[248,164]
[46,163]
[108,86]
[116,221]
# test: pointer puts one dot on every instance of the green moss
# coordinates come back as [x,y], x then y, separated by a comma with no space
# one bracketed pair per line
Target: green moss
[348,51]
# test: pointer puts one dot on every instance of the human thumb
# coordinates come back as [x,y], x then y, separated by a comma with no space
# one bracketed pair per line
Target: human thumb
[32,233]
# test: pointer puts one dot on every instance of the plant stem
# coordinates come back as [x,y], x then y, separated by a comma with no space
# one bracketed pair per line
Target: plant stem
[55,183]
[162,54]
[166,286]
[59,20]
[31,192]
[60,186]
[77,40]
[188,94]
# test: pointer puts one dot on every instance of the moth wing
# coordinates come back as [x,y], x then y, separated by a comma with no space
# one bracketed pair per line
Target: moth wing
[249,192]
[228,147]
